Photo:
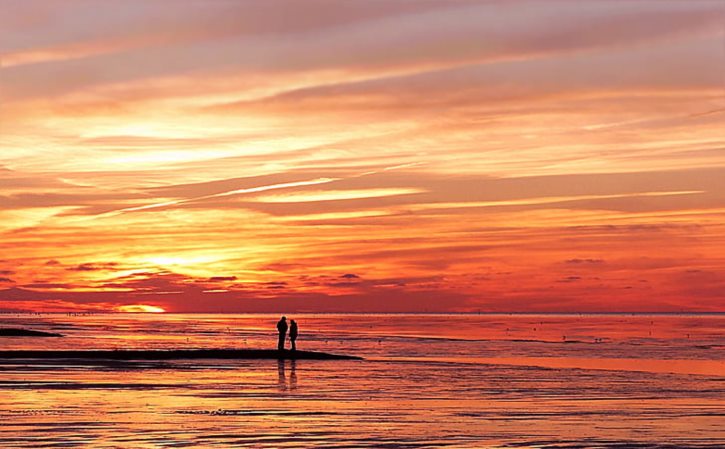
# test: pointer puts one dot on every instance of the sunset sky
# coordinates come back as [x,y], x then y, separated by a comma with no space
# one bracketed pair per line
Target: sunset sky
[365,156]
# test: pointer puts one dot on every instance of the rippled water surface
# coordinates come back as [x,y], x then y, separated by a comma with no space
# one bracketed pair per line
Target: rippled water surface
[460,381]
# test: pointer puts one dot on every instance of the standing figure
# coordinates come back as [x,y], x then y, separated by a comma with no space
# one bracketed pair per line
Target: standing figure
[282,328]
[293,334]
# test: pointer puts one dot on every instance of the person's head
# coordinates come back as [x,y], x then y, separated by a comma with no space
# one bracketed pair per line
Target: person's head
[284,318]
[293,322]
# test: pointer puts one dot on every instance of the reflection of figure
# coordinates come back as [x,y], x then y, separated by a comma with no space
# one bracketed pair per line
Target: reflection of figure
[281,379]
[293,374]
[282,328]
[282,375]
[293,334]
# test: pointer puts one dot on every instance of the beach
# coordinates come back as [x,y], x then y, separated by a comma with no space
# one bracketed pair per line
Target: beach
[460,381]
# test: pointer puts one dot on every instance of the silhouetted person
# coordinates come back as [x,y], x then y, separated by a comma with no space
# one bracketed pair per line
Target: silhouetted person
[293,334]
[282,328]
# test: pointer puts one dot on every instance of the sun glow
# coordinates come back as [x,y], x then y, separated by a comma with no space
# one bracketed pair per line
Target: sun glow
[175,261]
[140,308]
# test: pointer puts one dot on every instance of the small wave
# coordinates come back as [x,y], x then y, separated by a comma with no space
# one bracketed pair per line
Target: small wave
[232,412]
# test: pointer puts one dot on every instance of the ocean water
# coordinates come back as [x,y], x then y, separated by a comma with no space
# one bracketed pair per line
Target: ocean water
[455,381]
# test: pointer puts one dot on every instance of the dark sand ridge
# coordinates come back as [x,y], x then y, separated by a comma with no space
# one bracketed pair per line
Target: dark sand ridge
[175,354]
[11,332]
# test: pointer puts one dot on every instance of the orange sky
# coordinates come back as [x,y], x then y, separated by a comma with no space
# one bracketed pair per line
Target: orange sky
[428,155]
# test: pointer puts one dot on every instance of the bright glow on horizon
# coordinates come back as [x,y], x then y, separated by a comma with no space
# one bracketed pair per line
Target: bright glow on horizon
[172,261]
[140,308]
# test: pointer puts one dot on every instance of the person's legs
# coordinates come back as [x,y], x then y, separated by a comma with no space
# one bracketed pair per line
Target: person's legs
[280,344]
[294,344]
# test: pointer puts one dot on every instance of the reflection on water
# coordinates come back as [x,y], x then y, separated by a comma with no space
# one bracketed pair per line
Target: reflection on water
[429,381]
[293,374]
[282,383]
[705,367]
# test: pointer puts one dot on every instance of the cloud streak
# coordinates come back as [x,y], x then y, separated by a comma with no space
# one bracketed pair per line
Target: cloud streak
[218,195]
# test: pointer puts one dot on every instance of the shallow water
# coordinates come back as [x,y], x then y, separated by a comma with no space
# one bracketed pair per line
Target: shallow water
[463,381]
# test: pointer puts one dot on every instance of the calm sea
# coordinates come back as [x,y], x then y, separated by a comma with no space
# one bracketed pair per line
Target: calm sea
[457,381]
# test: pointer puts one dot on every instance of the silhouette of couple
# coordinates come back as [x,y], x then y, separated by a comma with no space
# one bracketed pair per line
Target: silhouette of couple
[282,328]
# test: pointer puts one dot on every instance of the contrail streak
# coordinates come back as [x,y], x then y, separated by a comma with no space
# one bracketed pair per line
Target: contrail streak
[217,195]
[249,190]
